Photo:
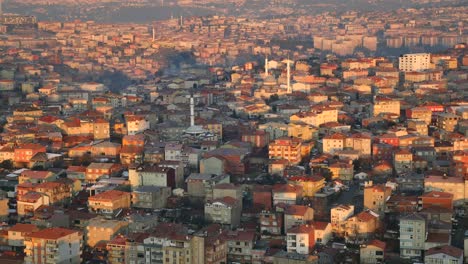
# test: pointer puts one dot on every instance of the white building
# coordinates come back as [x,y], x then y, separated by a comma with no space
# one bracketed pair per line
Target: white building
[300,239]
[225,211]
[444,255]
[340,213]
[53,245]
[137,124]
[413,234]
[415,62]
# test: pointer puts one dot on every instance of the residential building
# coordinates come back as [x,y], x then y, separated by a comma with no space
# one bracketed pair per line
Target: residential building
[373,252]
[323,232]
[447,121]
[286,148]
[95,171]
[310,184]
[109,203]
[453,185]
[136,124]
[54,245]
[99,229]
[342,170]
[18,232]
[436,199]
[150,197]
[200,186]
[300,239]
[271,222]
[361,227]
[443,255]
[376,196]
[152,175]
[225,211]
[385,105]
[414,62]
[339,214]
[286,193]
[295,215]
[240,245]
[413,234]
[29,202]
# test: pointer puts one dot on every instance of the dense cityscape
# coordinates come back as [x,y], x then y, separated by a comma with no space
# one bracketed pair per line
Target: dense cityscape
[249,132]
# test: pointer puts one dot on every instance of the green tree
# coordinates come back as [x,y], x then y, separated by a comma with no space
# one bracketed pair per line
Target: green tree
[6,164]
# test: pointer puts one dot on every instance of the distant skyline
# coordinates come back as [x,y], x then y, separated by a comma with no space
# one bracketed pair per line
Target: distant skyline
[145,11]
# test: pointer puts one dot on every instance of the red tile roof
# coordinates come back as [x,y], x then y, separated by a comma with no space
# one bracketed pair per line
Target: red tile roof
[24,228]
[378,243]
[448,250]
[52,233]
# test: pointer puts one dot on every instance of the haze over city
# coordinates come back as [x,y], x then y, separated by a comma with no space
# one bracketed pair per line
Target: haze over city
[243,132]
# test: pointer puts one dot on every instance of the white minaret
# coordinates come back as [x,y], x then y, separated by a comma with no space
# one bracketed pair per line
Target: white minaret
[288,76]
[181,21]
[266,66]
[154,34]
[192,111]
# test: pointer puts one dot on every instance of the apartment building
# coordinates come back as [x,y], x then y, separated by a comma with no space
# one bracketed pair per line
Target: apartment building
[414,62]
[53,245]
[372,253]
[385,105]
[225,211]
[413,234]
[300,239]
[375,197]
[286,148]
[99,230]
[109,203]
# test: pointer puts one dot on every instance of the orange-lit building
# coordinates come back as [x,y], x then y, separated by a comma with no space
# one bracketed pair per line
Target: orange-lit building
[109,202]
[286,148]
[437,199]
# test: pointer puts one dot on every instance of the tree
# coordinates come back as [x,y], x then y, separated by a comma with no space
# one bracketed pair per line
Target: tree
[6,164]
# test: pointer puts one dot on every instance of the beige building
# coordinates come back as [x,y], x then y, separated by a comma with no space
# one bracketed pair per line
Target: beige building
[99,229]
[361,227]
[454,185]
[53,245]
[240,245]
[286,148]
[375,197]
[360,142]
[414,62]
[372,253]
[18,232]
[403,161]
[316,117]
[443,255]
[384,105]
[109,202]
[447,121]
[342,170]
[419,126]
[303,131]
[295,215]
[338,215]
